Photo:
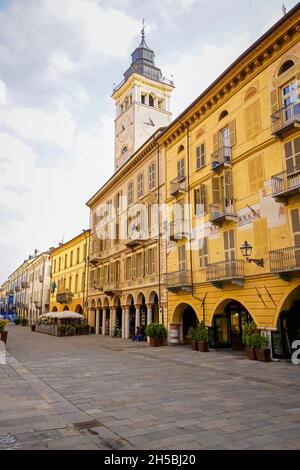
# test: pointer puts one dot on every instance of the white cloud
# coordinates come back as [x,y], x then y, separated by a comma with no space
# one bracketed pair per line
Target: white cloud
[2,93]
[194,73]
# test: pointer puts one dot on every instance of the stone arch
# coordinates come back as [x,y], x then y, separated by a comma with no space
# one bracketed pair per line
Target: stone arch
[66,308]
[287,64]
[116,301]
[287,303]
[151,297]
[129,300]
[79,309]
[222,304]
[141,298]
[105,302]
[250,92]
[54,309]
[99,303]
[186,317]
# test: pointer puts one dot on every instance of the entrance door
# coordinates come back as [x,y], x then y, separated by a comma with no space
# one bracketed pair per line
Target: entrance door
[222,326]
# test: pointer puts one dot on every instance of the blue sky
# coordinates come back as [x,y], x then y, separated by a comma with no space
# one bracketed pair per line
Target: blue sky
[58,62]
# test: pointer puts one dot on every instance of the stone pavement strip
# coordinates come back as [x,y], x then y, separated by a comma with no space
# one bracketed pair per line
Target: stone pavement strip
[93,392]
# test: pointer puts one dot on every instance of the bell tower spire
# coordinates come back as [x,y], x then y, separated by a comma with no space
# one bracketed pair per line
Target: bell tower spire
[142,102]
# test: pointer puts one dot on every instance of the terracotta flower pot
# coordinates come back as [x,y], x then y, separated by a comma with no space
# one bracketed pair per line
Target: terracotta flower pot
[263,355]
[202,346]
[156,342]
[250,353]
[194,345]
[3,336]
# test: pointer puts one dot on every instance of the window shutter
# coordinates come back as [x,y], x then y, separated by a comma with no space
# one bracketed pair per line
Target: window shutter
[274,101]
[228,193]
[232,132]
[255,174]
[197,201]
[252,119]
[289,157]
[216,191]
[146,263]
[203,200]
[133,271]
[142,264]
[260,238]
[295,220]
[216,141]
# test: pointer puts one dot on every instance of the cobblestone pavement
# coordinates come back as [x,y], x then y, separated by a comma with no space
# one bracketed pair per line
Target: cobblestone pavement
[93,392]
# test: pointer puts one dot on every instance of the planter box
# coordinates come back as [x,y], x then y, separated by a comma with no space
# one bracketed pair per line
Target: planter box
[202,346]
[156,342]
[194,345]
[3,336]
[263,355]
[250,353]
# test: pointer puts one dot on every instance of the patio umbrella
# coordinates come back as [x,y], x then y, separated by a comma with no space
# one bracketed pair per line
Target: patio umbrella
[65,314]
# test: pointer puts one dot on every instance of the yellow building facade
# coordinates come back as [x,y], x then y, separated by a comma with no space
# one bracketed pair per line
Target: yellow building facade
[68,288]
[233,156]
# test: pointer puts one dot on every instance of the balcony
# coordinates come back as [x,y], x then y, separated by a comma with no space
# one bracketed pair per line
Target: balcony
[112,288]
[135,238]
[285,261]
[226,271]
[220,212]
[64,297]
[24,285]
[178,230]
[285,185]
[221,158]
[179,281]
[177,186]
[285,120]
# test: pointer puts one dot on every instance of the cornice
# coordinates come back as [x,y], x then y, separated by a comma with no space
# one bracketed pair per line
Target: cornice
[245,68]
[141,80]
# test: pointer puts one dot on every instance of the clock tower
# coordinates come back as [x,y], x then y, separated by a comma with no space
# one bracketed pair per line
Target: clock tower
[142,103]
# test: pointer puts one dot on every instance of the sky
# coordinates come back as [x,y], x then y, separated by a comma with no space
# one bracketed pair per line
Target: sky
[59,60]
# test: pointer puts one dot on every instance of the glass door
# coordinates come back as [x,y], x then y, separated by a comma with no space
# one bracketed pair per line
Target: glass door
[221,324]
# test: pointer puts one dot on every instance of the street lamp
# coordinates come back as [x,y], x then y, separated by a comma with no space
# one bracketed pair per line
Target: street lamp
[246,250]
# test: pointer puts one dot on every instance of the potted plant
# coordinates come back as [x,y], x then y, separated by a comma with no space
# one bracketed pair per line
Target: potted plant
[33,326]
[249,339]
[192,336]
[24,321]
[70,330]
[3,334]
[156,333]
[79,329]
[17,320]
[202,337]
[262,349]
[61,330]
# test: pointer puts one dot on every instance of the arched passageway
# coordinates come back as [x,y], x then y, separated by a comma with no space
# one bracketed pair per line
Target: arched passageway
[66,308]
[227,325]
[78,309]
[288,326]
[186,318]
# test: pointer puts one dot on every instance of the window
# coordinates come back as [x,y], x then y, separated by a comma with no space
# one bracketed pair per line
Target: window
[83,281]
[200,200]
[152,261]
[140,181]
[84,252]
[180,168]
[128,268]
[78,255]
[124,149]
[143,99]
[130,193]
[161,104]
[59,263]
[203,252]
[290,100]
[180,149]
[287,65]
[54,266]
[66,261]
[70,283]
[292,156]
[71,259]
[252,119]
[223,114]
[151,176]
[151,101]
[181,258]
[200,156]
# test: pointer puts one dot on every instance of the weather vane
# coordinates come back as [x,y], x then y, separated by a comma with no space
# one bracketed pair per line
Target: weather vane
[283,9]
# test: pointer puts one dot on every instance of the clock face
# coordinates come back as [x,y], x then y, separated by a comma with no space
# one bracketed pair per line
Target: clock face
[123,129]
[148,124]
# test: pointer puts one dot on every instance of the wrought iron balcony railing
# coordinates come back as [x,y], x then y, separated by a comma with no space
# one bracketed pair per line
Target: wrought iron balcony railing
[285,184]
[285,119]
[178,280]
[64,297]
[220,158]
[232,270]
[285,260]
[177,186]
[219,212]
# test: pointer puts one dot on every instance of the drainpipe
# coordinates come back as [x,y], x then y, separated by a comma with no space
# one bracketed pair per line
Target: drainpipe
[190,218]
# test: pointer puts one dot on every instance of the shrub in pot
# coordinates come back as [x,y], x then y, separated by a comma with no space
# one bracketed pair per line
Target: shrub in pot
[17,320]
[33,327]
[61,330]
[3,334]
[248,337]
[192,336]
[70,330]
[202,337]
[262,349]
[156,333]
[24,321]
